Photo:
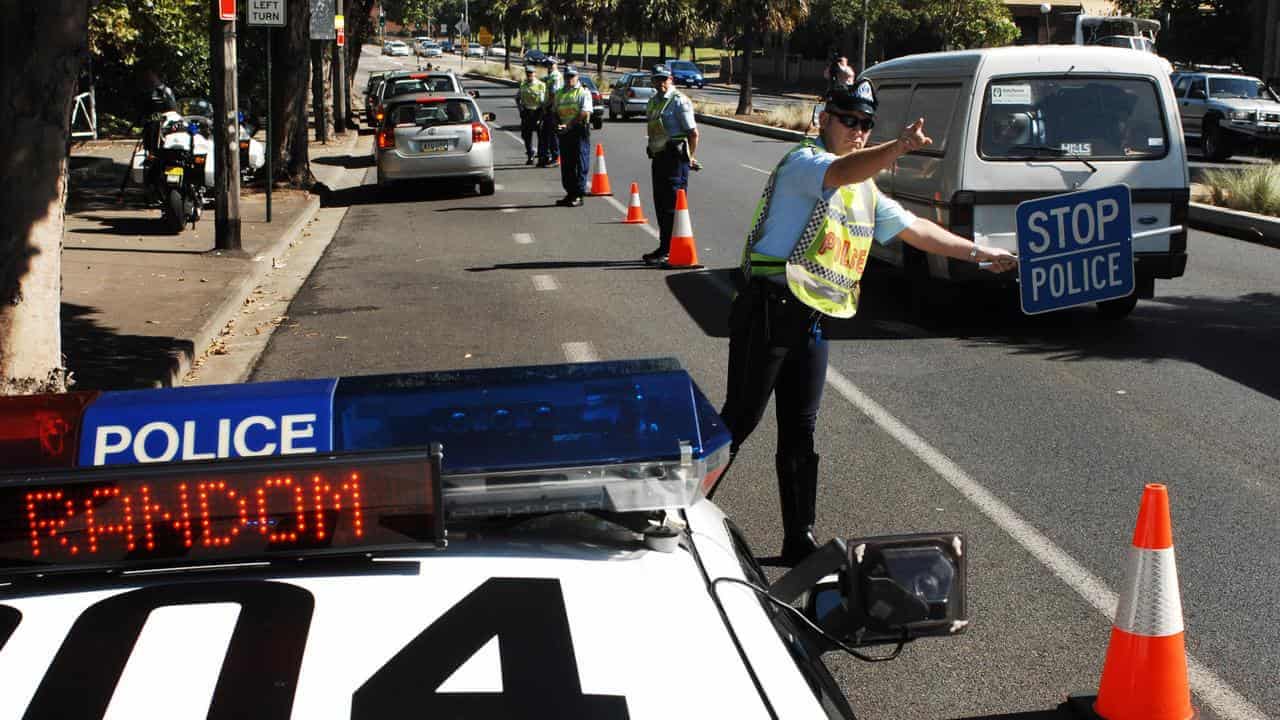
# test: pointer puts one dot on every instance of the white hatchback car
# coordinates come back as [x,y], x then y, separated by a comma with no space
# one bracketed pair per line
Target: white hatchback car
[426,136]
[495,543]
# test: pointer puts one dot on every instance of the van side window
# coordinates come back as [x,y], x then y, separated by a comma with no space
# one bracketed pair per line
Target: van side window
[1180,90]
[891,113]
[1196,92]
[936,104]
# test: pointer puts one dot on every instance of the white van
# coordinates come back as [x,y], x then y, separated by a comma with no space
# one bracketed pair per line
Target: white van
[1019,123]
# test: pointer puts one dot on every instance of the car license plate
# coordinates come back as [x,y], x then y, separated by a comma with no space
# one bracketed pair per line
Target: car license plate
[173,175]
[435,147]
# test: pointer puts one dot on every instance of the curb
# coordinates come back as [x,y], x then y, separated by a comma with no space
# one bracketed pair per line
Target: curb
[749,127]
[486,78]
[1235,223]
[230,308]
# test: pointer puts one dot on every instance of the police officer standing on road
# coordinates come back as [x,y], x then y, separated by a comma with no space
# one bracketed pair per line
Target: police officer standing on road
[804,256]
[573,124]
[532,99]
[548,141]
[673,139]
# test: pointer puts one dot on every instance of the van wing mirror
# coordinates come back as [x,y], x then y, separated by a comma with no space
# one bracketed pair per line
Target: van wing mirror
[881,590]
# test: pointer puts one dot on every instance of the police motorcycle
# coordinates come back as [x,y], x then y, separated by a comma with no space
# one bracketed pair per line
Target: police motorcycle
[377,532]
[178,171]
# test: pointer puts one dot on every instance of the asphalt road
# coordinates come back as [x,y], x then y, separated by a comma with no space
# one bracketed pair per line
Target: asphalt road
[1033,435]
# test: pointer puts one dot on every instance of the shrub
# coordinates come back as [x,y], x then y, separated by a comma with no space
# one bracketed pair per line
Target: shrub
[1256,189]
[792,116]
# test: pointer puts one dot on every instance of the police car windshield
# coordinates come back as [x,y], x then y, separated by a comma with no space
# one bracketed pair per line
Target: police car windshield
[1089,118]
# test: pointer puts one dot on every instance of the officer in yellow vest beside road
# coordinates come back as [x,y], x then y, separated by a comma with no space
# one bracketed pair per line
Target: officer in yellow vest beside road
[673,139]
[804,256]
[573,124]
[531,99]
[548,142]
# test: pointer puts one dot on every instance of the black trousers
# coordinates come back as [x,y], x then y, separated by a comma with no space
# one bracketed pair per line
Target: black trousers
[575,161]
[670,173]
[776,348]
[531,127]
[548,139]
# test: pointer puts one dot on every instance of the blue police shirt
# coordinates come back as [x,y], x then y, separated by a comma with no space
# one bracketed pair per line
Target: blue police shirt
[799,187]
[677,116]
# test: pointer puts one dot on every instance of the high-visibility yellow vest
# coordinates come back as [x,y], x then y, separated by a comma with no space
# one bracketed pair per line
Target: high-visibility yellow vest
[658,136]
[568,104]
[831,251]
[555,83]
[533,94]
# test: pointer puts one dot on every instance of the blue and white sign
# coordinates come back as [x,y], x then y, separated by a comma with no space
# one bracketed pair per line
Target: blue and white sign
[206,423]
[1075,249]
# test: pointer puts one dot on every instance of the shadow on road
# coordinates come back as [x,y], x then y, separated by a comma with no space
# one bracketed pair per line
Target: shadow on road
[566,264]
[1235,337]
[419,191]
[497,208]
[102,359]
[349,162]
[144,223]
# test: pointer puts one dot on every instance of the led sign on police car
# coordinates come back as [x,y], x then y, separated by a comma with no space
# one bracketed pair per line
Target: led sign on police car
[215,513]
[1075,249]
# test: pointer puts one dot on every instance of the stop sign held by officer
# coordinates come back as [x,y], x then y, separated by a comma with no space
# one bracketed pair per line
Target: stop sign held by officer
[804,257]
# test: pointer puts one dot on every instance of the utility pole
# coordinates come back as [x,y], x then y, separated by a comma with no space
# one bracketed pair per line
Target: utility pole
[340,81]
[226,131]
[862,60]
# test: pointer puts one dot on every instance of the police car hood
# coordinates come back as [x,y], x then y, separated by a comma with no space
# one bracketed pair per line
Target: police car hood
[615,633]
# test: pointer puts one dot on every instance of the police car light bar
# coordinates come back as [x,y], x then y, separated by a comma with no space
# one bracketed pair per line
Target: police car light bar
[192,514]
[619,436]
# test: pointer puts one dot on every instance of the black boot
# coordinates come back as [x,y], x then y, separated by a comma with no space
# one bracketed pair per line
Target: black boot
[798,494]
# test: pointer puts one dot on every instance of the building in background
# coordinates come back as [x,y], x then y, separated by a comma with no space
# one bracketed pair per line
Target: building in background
[1056,26]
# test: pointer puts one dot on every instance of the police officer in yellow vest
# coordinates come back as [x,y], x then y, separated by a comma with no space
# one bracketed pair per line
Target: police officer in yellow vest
[673,138]
[531,99]
[573,124]
[548,142]
[803,259]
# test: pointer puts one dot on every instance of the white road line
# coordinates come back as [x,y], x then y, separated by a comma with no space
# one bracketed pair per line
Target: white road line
[514,137]
[580,352]
[510,208]
[1220,697]
[499,186]
[646,227]
[762,172]
[545,282]
[522,238]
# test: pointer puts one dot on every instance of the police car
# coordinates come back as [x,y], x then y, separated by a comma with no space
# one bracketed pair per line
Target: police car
[514,543]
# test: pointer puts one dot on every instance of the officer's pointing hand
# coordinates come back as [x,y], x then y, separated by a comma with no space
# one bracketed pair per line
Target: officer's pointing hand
[912,137]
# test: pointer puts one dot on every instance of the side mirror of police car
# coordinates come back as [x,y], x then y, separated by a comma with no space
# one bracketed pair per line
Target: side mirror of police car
[815,121]
[474,93]
[490,117]
[875,591]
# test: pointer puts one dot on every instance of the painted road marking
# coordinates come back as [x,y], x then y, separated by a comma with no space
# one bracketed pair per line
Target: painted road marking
[762,172]
[515,138]
[522,238]
[646,227]
[545,282]
[580,352]
[510,208]
[1215,692]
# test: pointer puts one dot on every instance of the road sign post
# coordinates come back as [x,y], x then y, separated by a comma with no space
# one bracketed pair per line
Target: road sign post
[267,14]
[1075,249]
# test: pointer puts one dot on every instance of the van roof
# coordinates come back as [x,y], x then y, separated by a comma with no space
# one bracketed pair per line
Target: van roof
[1016,59]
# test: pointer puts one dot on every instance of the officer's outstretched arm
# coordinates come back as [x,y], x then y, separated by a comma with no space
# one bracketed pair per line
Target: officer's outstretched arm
[859,165]
[931,238]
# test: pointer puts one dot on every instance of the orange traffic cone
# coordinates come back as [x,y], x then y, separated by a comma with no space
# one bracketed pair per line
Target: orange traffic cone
[600,180]
[635,213]
[684,253]
[1145,673]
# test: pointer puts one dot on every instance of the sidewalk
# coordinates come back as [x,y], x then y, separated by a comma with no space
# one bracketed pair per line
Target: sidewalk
[140,305]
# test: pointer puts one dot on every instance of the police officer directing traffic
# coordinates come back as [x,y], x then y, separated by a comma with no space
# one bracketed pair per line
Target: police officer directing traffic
[673,139]
[803,259]
[548,141]
[573,116]
[531,99]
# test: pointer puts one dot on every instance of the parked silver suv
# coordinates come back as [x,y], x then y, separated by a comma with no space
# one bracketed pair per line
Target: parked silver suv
[1226,111]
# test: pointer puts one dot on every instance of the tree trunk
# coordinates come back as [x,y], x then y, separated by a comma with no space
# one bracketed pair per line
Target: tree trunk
[568,48]
[291,74]
[318,110]
[601,48]
[662,51]
[748,49]
[42,47]
[506,59]
[359,24]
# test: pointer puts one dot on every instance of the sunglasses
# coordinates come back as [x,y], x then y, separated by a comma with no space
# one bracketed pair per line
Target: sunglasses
[854,122]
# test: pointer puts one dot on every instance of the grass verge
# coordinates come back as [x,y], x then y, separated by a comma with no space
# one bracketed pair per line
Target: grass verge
[792,116]
[1255,190]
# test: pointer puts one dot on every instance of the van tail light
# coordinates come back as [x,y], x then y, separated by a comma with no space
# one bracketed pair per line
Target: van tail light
[386,138]
[244,144]
[1178,216]
[479,133]
[962,213]
[380,114]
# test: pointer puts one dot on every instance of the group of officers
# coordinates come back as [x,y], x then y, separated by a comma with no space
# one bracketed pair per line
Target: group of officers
[805,253]
[556,111]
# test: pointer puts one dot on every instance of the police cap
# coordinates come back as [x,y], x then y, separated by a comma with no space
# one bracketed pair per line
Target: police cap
[859,97]
[661,71]
[570,70]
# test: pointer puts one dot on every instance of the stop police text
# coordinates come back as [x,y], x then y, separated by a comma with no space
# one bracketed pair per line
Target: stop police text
[1077,228]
